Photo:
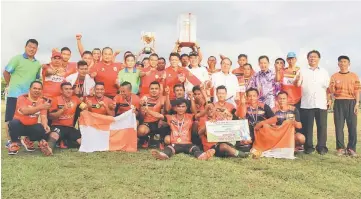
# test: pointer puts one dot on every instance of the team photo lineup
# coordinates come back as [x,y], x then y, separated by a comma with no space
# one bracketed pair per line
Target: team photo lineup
[175,100]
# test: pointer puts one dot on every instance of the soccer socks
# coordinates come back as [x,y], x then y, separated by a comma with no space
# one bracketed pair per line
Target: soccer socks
[52,142]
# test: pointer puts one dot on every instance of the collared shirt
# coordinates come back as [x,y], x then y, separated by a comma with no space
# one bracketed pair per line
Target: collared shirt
[201,73]
[23,71]
[132,76]
[266,85]
[230,81]
[314,84]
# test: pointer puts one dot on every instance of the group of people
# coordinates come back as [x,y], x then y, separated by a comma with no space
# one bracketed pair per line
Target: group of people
[172,102]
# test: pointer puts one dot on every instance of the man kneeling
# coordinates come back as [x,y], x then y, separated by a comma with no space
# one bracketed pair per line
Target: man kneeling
[180,136]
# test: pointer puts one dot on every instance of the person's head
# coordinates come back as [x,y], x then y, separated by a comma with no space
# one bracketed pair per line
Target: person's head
[82,68]
[291,59]
[252,95]
[197,93]
[242,59]
[211,110]
[263,62]
[154,89]
[313,58]
[174,59]
[36,88]
[180,106]
[145,62]
[66,89]
[56,59]
[127,53]
[65,53]
[130,61]
[184,59]
[99,89]
[126,89]
[107,54]
[280,63]
[161,63]
[139,64]
[343,63]
[96,54]
[247,70]
[153,60]
[31,47]
[226,65]
[221,93]
[87,57]
[282,98]
[212,61]
[193,59]
[179,91]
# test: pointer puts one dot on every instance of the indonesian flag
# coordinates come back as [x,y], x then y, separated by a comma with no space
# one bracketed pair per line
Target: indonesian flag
[107,133]
[276,142]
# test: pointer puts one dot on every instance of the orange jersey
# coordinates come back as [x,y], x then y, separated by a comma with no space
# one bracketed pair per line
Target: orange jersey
[145,81]
[345,85]
[96,108]
[51,84]
[71,68]
[181,130]
[108,75]
[239,73]
[287,85]
[67,117]
[24,101]
[154,104]
[124,105]
[206,145]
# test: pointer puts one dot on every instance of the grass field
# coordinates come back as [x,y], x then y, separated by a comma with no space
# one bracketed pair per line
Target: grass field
[70,174]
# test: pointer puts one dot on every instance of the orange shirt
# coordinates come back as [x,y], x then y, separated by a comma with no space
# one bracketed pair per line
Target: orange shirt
[345,85]
[67,117]
[124,105]
[154,104]
[24,101]
[71,68]
[95,108]
[145,81]
[51,84]
[108,75]
[287,85]
[238,72]
[206,145]
[181,130]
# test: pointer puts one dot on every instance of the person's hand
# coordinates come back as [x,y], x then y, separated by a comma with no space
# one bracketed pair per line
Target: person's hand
[117,52]
[329,104]
[93,74]
[78,36]
[356,109]
[167,90]
[190,95]
[181,78]
[144,100]
[112,105]
[101,103]
[46,128]
[54,50]
[45,106]
[89,103]
[50,71]
[258,126]
[278,68]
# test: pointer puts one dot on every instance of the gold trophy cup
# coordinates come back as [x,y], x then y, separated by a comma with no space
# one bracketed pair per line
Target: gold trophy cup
[148,39]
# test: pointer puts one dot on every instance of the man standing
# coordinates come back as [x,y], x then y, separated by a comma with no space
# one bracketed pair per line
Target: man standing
[314,82]
[70,67]
[18,74]
[151,74]
[345,87]
[199,72]
[161,64]
[53,75]
[81,81]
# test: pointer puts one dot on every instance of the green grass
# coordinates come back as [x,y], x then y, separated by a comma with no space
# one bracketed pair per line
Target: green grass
[70,174]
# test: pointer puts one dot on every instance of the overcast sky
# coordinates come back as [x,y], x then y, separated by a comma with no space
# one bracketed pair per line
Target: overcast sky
[230,28]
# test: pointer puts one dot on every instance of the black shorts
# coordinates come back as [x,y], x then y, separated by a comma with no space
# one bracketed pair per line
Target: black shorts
[153,127]
[10,108]
[66,132]
[183,148]
[220,153]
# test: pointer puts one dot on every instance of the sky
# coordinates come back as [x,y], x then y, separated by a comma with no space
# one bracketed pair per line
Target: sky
[228,28]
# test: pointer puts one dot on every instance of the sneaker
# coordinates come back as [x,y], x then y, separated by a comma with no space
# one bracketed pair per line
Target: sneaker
[29,145]
[309,150]
[13,148]
[159,155]
[207,155]
[145,145]
[340,152]
[351,153]
[8,143]
[161,146]
[44,147]
[299,148]
[62,145]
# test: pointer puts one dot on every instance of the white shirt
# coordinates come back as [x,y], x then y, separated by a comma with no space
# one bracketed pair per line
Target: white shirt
[89,82]
[314,84]
[230,81]
[200,72]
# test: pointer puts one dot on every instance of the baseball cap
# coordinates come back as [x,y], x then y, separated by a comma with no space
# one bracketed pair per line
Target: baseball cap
[291,55]
[56,54]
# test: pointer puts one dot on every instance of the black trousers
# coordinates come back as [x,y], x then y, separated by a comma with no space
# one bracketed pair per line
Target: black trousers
[307,119]
[35,132]
[343,109]
[183,148]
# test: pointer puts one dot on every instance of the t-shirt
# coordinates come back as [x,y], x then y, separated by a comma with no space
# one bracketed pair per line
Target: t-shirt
[229,81]
[23,71]
[154,75]
[154,104]
[255,115]
[96,108]
[239,73]
[108,75]
[51,84]
[287,84]
[181,130]
[71,68]
[132,76]
[24,101]
[291,113]
[122,105]
[172,111]
[67,117]
[345,85]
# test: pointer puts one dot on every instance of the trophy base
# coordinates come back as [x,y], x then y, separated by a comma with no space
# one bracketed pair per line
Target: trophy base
[147,50]
[186,44]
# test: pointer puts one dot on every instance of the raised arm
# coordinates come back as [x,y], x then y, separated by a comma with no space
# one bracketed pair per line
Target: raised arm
[79,44]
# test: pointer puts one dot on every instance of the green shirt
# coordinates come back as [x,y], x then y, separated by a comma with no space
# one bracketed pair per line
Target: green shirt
[23,71]
[131,76]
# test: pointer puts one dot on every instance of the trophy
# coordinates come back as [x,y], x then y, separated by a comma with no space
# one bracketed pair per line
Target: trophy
[148,39]
[187,26]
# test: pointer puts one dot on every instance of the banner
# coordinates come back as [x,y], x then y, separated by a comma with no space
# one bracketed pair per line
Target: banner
[227,131]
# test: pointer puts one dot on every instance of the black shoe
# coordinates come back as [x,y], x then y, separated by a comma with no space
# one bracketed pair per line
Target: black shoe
[309,150]
[322,152]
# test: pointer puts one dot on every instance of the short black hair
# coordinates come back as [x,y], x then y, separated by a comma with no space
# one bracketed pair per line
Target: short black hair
[126,84]
[184,55]
[212,56]
[242,55]
[263,57]
[178,85]
[99,83]
[174,55]
[130,55]
[107,48]
[33,41]
[154,55]
[81,63]
[226,59]
[252,89]
[126,52]
[36,82]
[220,88]
[196,88]
[193,54]
[281,93]
[343,57]
[248,64]
[280,59]
[162,58]
[96,49]
[87,52]
[154,83]
[65,84]
[65,49]
[145,58]
[314,51]
[180,101]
